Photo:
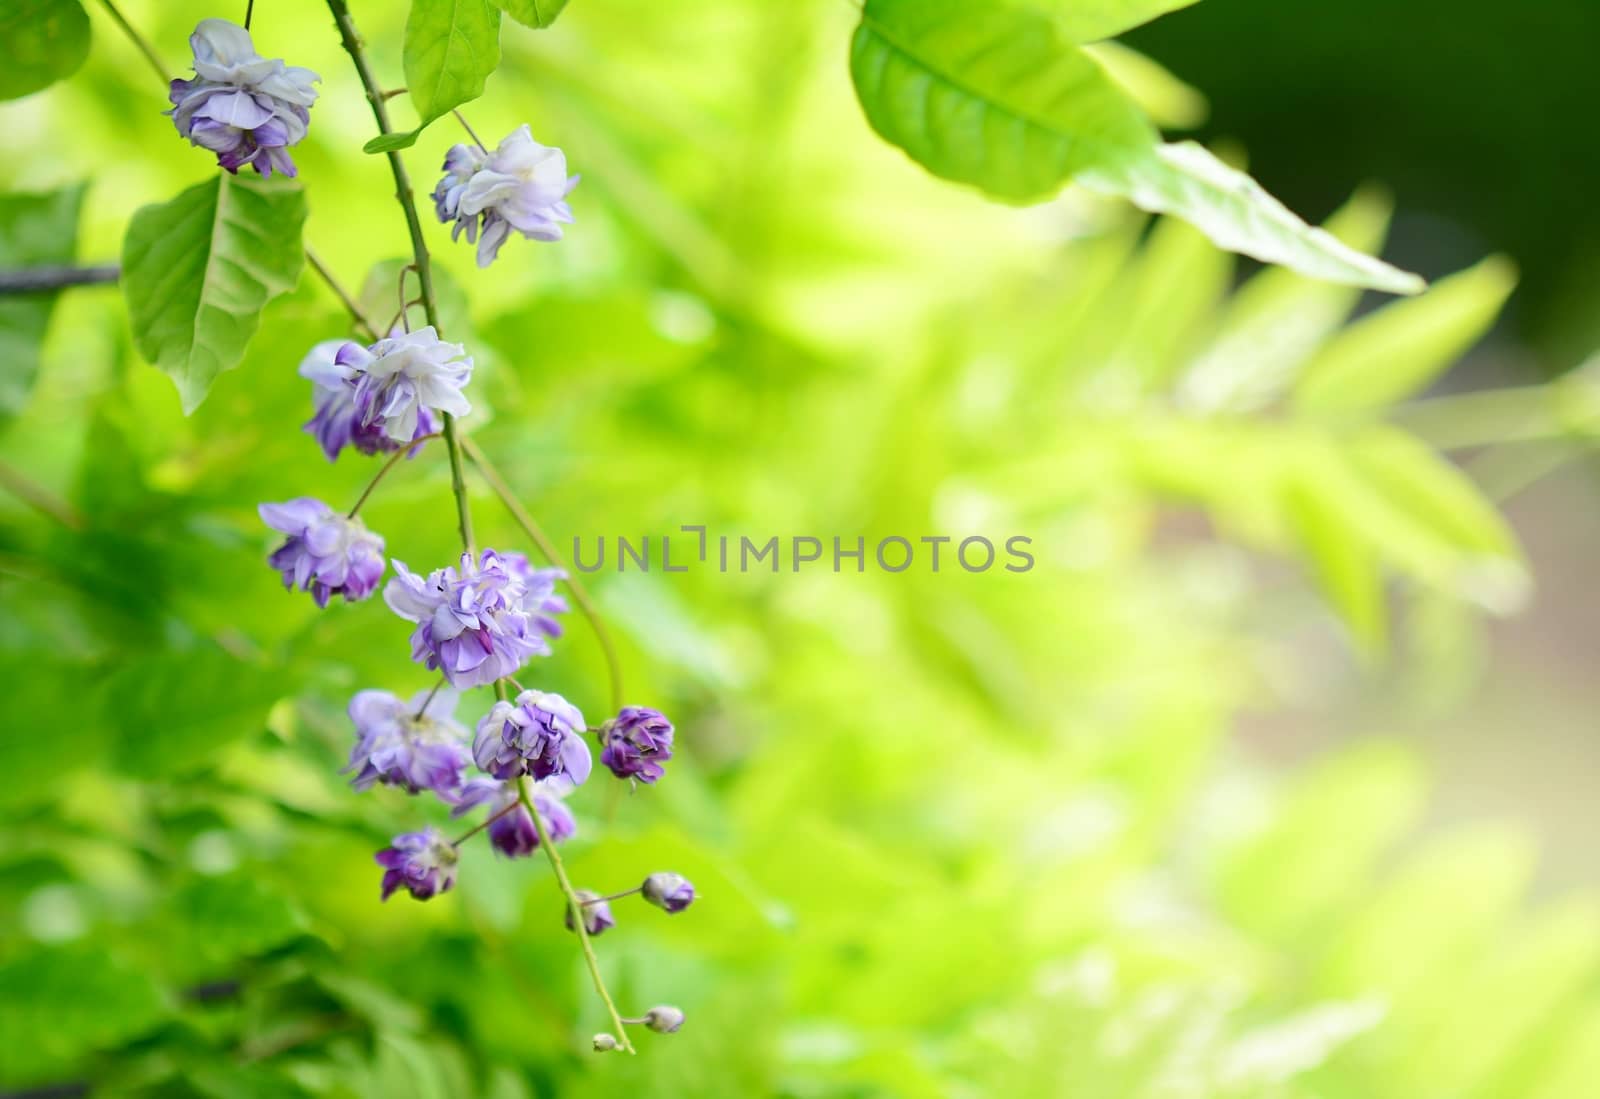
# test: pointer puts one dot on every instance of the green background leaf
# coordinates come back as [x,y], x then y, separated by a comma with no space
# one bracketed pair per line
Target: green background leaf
[533,13]
[451,47]
[198,270]
[45,41]
[35,230]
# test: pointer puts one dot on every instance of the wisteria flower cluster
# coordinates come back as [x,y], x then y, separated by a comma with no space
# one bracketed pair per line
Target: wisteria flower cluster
[243,107]
[479,621]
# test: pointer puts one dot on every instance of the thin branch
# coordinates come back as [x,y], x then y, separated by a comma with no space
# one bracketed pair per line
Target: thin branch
[341,293]
[394,459]
[574,907]
[139,40]
[419,247]
[531,528]
[27,280]
[39,498]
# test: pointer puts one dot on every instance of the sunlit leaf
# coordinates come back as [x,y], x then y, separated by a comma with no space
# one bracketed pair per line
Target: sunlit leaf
[532,13]
[198,270]
[991,96]
[1186,180]
[1397,351]
[1090,20]
[451,47]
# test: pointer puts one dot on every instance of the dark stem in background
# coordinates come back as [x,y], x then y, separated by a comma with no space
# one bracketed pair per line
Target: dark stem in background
[27,280]
[419,247]
[138,40]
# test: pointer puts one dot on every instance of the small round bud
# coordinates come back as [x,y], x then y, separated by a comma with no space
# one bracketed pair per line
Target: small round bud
[605,1043]
[667,891]
[596,913]
[663,1019]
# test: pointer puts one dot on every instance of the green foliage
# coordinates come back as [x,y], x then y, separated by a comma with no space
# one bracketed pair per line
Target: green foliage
[46,41]
[451,47]
[532,13]
[989,95]
[35,230]
[198,270]
[953,834]
[996,95]
[1092,20]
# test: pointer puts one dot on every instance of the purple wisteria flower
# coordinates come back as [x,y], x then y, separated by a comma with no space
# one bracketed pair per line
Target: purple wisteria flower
[511,829]
[474,621]
[401,379]
[336,423]
[241,106]
[539,734]
[414,745]
[522,185]
[636,743]
[541,601]
[596,912]
[669,892]
[327,553]
[423,863]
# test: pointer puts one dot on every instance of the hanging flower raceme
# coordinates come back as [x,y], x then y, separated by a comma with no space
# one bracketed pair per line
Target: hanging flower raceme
[538,734]
[413,745]
[478,622]
[337,423]
[422,863]
[511,828]
[635,743]
[521,186]
[327,553]
[241,106]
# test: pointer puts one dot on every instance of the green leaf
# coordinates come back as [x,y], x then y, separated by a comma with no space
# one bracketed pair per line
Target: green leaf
[224,918]
[388,143]
[1186,180]
[65,1002]
[1346,565]
[1091,20]
[198,270]
[1170,103]
[46,41]
[34,230]
[994,97]
[1397,351]
[532,13]
[451,47]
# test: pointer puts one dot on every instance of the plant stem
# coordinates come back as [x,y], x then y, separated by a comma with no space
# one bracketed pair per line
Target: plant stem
[475,829]
[535,533]
[614,896]
[575,906]
[138,40]
[31,280]
[340,292]
[351,39]
[39,498]
[394,459]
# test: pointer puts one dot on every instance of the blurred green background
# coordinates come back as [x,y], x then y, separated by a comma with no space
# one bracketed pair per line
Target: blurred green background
[1272,779]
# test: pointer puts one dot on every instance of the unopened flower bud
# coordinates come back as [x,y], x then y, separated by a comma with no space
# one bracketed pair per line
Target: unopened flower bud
[667,891]
[596,913]
[605,1043]
[663,1019]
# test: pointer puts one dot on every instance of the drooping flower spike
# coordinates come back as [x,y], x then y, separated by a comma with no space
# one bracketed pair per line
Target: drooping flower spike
[477,622]
[241,106]
[326,553]
[521,186]
[414,745]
